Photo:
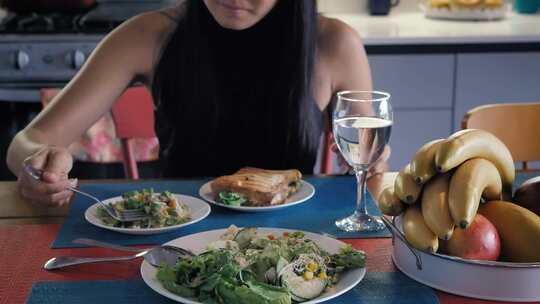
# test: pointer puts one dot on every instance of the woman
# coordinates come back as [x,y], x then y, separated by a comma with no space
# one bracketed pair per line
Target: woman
[236,82]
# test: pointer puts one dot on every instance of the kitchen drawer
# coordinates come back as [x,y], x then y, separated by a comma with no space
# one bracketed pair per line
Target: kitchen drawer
[412,129]
[415,81]
[495,78]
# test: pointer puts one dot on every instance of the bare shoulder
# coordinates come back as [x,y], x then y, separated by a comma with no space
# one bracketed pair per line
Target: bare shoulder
[151,26]
[342,53]
[336,38]
[137,43]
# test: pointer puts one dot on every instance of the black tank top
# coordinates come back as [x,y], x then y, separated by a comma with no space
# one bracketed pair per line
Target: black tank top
[252,127]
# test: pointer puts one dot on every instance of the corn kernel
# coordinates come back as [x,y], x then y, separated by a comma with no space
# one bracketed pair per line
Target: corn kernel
[312,266]
[308,275]
[322,275]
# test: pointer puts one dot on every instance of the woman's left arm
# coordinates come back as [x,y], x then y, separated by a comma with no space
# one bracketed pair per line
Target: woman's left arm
[349,69]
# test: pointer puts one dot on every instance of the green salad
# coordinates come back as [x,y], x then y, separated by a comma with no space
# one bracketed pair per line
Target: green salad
[237,199]
[245,266]
[232,198]
[163,208]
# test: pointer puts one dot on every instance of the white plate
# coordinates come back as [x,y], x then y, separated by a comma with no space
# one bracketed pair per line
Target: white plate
[198,210]
[197,243]
[304,193]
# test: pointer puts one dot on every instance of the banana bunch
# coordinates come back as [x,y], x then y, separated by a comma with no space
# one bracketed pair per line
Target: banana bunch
[443,185]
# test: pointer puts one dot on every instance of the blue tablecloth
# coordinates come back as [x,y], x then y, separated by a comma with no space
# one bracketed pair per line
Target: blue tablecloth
[375,288]
[334,198]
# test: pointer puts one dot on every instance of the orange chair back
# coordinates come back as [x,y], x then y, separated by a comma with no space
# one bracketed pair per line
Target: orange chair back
[517,125]
[326,146]
[133,114]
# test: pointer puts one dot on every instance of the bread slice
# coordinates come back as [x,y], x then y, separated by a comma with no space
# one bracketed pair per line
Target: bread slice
[291,175]
[260,187]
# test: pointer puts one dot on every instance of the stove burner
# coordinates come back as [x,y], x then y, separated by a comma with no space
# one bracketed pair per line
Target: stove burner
[35,22]
[101,19]
[54,23]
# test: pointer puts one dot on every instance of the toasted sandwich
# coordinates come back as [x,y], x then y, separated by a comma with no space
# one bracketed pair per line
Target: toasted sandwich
[256,187]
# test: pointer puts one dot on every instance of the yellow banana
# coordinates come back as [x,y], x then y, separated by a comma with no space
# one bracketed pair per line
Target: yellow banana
[389,203]
[473,143]
[423,162]
[417,232]
[473,179]
[405,187]
[519,230]
[435,207]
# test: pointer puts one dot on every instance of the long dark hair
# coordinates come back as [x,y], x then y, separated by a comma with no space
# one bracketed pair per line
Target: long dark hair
[189,75]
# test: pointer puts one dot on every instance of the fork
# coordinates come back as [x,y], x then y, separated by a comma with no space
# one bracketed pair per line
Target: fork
[96,243]
[128,215]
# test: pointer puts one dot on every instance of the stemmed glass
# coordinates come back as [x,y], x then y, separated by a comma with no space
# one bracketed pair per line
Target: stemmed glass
[362,123]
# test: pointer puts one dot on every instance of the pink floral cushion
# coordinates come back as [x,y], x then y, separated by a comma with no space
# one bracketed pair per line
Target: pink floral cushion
[100,144]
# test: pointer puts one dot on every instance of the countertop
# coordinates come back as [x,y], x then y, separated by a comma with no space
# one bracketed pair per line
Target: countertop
[410,27]
[406,25]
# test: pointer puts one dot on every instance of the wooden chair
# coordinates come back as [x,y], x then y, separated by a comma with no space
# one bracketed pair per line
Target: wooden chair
[133,118]
[517,125]
[326,153]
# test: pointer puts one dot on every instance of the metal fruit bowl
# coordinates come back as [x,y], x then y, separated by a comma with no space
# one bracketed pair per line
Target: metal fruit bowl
[488,280]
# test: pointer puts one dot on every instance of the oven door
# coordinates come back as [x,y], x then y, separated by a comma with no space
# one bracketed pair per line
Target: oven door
[19,104]
[24,93]
[19,95]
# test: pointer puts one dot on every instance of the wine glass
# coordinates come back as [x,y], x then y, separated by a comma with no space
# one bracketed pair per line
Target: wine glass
[362,122]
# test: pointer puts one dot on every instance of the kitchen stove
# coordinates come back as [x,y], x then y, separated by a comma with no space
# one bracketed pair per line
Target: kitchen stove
[31,62]
[48,23]
[47,50]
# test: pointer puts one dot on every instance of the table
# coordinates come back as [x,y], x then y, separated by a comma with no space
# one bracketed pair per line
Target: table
[15,210]
[26,233]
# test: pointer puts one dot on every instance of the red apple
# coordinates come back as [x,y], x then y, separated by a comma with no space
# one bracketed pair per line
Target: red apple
[480,241]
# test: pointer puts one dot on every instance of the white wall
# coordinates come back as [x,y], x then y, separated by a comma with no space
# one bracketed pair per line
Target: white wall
[342,6]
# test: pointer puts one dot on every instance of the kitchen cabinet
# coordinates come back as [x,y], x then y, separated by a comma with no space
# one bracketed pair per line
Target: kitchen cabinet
[412,129]
[422,98]
[432,92]
[484,78]
[415,81]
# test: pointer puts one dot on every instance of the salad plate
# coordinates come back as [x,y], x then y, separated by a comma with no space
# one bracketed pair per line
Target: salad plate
[305,192]
[197,208]
[200,242]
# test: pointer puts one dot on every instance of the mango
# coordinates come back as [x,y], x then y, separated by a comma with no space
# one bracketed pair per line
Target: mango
[519,230]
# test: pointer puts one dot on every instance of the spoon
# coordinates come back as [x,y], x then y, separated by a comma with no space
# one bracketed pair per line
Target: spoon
[156,256]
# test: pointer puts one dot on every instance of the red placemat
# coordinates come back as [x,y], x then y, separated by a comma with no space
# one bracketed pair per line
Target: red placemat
[25,248]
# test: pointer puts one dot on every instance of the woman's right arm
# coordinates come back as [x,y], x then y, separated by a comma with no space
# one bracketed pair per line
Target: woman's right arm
[128,52]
